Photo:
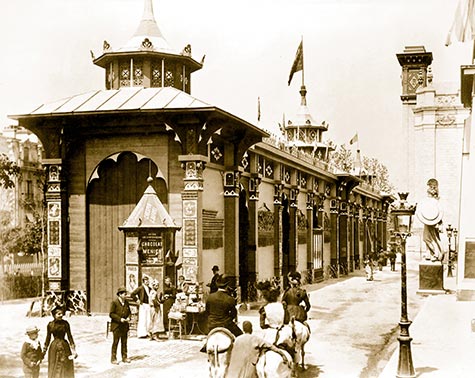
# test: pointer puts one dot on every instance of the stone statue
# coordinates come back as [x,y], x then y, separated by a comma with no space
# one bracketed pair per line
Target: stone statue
[430,214]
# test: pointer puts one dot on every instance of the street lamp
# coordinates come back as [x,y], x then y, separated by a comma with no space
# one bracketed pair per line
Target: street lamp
[402,213]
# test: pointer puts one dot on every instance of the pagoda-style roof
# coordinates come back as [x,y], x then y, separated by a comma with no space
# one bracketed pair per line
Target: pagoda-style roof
[149,213]
[113,100]
[304,118]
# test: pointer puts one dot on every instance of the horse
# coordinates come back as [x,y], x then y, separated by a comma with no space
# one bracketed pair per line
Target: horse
[271,364]
[302,332]
[218,348]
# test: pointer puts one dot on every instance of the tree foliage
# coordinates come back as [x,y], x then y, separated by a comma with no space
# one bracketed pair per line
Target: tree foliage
[342,158]
[8,170]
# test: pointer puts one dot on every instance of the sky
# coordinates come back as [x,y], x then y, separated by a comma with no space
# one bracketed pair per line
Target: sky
[351,72]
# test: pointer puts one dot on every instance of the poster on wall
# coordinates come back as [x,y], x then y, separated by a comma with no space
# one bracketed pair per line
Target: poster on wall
[151,249]
[155,273]
[131,277]
[54,267]
[131,247]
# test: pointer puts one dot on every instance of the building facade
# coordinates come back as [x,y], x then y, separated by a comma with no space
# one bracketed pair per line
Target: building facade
[256,206]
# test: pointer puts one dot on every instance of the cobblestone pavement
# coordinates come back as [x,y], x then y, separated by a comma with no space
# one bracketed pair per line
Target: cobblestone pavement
[354,326]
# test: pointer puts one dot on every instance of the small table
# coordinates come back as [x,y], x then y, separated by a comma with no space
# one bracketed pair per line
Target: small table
[195,312]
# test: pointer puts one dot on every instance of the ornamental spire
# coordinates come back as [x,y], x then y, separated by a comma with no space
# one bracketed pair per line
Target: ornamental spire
[148,26]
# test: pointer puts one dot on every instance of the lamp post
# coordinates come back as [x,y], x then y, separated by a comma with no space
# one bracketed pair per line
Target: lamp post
[450,234]
[402,214]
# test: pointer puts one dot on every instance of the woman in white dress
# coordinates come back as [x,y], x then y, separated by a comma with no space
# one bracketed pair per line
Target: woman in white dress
[271,315]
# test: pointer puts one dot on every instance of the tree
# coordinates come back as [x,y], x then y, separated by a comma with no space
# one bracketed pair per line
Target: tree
[379,174]
[8,171]
[342,158]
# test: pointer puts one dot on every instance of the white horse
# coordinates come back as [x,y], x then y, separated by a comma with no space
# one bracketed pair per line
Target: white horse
[302,332]
[271,364]
[218,347]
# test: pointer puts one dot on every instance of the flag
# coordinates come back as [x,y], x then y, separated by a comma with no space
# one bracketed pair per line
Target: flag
[354,139]
[298,62]
[464,22]
[258,109]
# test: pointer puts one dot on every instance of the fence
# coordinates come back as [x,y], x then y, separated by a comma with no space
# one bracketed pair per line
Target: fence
[20,281]
[30,269]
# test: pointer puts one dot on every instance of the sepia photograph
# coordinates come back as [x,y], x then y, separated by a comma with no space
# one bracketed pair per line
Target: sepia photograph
[252,189]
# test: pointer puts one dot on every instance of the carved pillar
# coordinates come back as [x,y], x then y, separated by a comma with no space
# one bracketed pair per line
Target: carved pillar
[356,228]
[278,251]
[335,231]
[343,234]
[254,183]
[192,204]
[56,227]
[310,243]
[231,224]
[351,240]
[293,234]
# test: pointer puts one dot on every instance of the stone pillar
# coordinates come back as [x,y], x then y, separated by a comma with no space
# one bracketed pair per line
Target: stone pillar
[335,231]
[231,223]
[343,235]
[253,239]
[293,234]
[192,201]
[310,242]
[57,261]
[278,251]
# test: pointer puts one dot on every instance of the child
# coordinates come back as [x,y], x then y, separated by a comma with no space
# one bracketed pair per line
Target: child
[31,353]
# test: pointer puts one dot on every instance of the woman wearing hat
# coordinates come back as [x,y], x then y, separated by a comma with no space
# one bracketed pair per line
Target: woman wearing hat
[31,353]
[61,352]
[293,297]
[272,314]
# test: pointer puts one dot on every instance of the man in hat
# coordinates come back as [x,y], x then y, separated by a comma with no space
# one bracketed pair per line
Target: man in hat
[212,285]
[221,309]
[295,299]
[31,353]
[120,318]
[142,295]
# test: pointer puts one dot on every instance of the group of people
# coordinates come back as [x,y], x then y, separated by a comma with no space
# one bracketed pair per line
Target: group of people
[382,258]
[221,310]
[59,344]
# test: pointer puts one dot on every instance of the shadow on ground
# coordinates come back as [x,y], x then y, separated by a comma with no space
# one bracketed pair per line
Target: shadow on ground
[311,371]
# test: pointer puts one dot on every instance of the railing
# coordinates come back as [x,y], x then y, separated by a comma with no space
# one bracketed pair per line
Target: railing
[33,269]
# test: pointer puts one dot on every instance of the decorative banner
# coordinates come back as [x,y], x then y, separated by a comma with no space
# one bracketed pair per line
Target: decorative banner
[190,252]
[54,267]
[54,232]
[190,232]
[131,277]
[131,250]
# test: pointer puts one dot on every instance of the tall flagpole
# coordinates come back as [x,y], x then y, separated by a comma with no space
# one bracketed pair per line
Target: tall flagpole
[302,64]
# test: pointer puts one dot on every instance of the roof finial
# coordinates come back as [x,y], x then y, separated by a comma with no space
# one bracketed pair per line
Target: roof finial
[148,26]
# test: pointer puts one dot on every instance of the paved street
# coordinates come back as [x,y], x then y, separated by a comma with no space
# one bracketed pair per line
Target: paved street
[354,326]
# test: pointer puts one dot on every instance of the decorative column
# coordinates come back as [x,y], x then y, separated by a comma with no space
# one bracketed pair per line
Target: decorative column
[56,258]
[310,243]
[192,199]
[254,183]
[278,251]
[351,238]
[231,223]
[293,234]
[335,232]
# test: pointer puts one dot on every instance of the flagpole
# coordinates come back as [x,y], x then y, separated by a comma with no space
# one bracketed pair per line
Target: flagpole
[302,64]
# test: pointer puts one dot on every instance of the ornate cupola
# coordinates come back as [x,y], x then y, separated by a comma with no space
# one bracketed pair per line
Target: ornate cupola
[304,133]
[147,60]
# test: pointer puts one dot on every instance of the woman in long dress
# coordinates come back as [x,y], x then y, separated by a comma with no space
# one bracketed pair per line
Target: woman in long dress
[156,322]
[61,352]
[294,297]
[169,294]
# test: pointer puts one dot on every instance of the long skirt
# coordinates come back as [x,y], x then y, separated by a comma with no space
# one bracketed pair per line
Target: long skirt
[59,365]
[156,324]
[143,325]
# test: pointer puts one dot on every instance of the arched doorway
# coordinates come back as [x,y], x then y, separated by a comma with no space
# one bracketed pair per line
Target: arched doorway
[116,186]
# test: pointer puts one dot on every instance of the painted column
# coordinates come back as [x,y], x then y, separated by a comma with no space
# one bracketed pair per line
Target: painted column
[310,247]
[56,260]
[253,239]
[278,251]
[335,231]
[192,199]
[293,233]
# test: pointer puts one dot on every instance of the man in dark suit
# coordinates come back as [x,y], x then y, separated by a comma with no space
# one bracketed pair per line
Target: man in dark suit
[221,309]
[120,317]
[212,285]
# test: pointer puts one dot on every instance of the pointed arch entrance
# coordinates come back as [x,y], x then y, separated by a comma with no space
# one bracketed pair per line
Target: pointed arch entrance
[114,189]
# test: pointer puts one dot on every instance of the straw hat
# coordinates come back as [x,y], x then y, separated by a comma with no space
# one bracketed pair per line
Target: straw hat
[32,329]
[429,211]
